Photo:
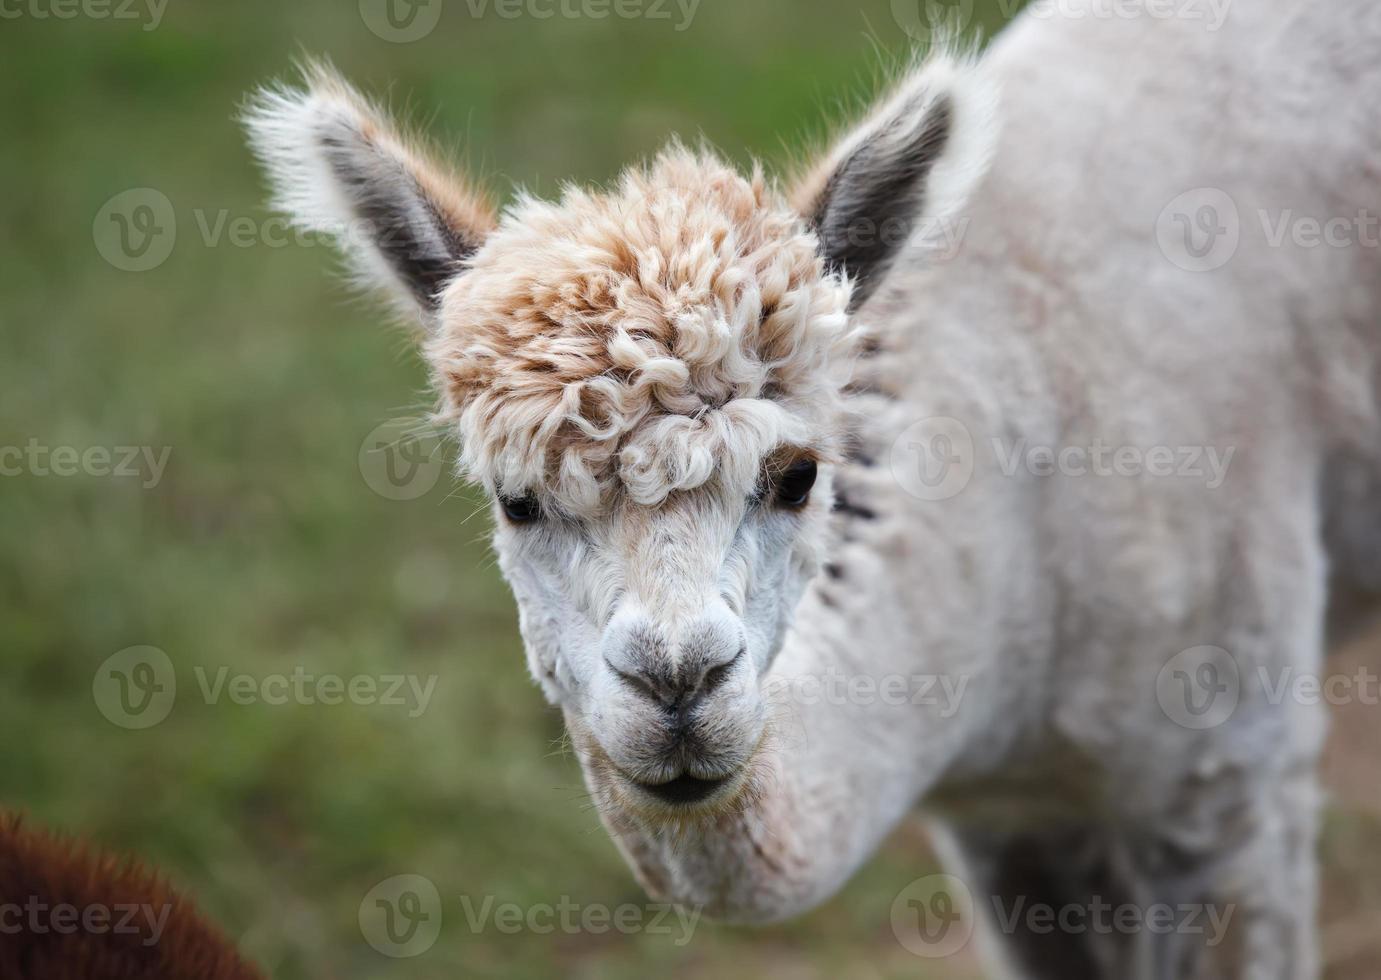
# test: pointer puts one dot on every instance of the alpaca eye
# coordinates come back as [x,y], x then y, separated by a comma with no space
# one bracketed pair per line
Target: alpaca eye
[520,510]
[793,486]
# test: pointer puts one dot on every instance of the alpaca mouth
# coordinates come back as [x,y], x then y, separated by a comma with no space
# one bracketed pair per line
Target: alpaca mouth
[685,790]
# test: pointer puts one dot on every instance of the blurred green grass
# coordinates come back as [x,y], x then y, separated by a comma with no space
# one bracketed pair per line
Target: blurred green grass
[263,549]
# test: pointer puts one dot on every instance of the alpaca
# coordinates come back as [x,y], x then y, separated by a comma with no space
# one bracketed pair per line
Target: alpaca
[70,913]
[748,445]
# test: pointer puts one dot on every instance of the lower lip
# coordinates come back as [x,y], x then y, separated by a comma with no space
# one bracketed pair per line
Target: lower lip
[686,791]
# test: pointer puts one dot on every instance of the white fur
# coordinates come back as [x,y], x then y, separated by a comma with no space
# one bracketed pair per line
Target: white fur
[289,129]
[1053,603]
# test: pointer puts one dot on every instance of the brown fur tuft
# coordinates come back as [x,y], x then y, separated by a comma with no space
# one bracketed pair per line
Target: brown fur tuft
[165,937]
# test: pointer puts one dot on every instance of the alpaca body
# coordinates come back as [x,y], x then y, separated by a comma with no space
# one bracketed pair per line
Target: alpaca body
[1077,510]
[1059,598]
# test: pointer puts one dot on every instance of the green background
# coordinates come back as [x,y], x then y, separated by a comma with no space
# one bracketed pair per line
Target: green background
[262,548]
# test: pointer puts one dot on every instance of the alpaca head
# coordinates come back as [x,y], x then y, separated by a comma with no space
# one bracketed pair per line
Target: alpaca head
[648,380]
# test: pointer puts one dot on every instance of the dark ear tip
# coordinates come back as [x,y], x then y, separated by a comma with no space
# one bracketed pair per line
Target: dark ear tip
[869,207]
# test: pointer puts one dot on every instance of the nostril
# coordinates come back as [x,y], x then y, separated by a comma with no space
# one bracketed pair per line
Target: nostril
[716,676]
[677,694]
[637,683]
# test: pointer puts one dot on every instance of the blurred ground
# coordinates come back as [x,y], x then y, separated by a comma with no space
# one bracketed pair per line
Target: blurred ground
[1352,830]
[263,550]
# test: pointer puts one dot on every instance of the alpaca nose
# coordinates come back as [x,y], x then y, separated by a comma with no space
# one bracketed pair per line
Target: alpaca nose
[677,684]
[681,686]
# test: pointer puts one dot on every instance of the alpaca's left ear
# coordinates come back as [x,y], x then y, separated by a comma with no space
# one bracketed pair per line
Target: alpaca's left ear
[339,167]
[908,168]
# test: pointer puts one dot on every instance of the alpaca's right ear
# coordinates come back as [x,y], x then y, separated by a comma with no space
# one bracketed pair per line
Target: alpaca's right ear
[905,170]
[339,167]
